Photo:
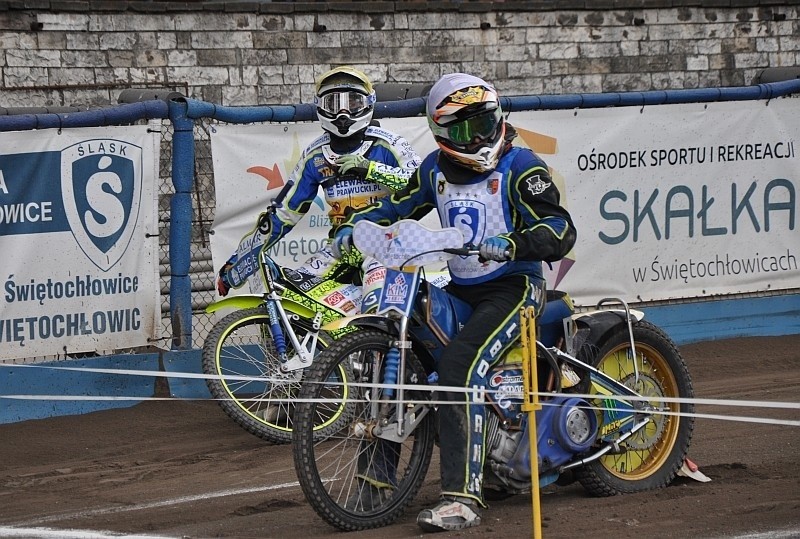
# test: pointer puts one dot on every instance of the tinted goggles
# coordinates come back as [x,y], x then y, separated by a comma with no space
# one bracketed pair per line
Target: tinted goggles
[478,127]
[350,101]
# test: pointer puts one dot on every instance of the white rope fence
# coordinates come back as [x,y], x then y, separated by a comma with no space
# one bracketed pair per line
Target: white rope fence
[412,388]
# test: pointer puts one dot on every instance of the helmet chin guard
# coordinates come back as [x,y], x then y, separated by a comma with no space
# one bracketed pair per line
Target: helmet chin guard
[343,123]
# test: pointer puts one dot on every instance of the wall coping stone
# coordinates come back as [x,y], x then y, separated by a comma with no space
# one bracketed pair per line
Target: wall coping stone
[366,6]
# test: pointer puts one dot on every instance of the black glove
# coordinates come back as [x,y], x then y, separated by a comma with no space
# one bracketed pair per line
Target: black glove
[223,282]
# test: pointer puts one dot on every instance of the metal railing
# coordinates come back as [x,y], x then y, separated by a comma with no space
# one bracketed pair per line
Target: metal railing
[186,189]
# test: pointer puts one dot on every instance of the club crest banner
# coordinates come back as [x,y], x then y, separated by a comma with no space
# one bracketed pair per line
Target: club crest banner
[79,229]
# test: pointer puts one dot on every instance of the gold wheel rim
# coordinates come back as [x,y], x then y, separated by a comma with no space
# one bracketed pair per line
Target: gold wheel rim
[657,438]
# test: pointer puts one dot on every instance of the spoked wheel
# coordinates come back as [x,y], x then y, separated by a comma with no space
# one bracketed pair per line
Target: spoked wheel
[357,479]
[651,457]
[251,389]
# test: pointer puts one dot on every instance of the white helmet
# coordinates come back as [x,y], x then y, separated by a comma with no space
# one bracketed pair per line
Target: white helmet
[466,120]
[345,101]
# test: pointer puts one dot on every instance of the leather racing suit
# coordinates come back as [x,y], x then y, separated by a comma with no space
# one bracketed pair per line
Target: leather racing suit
[392,162]
[518,201]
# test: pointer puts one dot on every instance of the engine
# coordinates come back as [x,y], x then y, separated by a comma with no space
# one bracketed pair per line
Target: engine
[501,443]
[565,427]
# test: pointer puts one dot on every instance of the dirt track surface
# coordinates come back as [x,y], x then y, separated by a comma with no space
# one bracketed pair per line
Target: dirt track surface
[184,470]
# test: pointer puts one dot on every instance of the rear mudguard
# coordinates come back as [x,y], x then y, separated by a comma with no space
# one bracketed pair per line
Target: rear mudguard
[250,301]
[594,327]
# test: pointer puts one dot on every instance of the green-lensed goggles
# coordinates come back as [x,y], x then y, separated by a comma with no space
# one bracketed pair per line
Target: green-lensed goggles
[473,129]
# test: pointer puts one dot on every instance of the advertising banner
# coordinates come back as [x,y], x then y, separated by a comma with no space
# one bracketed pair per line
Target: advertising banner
[79,237]
[251,165]
[678,201]
[670,201]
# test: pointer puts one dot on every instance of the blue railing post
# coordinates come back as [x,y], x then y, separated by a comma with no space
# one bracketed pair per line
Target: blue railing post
[180,230]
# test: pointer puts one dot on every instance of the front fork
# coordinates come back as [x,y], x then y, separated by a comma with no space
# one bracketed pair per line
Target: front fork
[278,320]
[392,377]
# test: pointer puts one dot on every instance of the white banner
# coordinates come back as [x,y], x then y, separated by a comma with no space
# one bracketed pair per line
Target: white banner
[670,201]
[678,201]
[252,164]
[79,236]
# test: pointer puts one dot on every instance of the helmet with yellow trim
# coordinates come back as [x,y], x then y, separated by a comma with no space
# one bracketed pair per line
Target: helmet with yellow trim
[345,101]
[466,119]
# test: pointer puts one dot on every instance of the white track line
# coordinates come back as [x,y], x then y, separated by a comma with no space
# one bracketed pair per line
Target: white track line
[778,534]
[151,505]
[48,533]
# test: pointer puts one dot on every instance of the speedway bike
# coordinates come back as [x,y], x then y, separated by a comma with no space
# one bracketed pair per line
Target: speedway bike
[612,388]
[255,356]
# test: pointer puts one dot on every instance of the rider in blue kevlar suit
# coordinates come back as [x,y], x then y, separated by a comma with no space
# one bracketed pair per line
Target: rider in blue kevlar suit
[504,201]
[355,163]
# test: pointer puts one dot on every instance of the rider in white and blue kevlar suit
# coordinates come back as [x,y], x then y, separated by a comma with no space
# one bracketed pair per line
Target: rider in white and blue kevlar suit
[504,201]
[354,162]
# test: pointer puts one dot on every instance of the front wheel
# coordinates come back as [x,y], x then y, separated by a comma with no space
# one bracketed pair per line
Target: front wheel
[652,456]
[249,385]
[356,479]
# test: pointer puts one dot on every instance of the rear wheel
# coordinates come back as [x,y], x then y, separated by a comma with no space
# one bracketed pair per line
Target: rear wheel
[250,386]
[652,456]
[356,480]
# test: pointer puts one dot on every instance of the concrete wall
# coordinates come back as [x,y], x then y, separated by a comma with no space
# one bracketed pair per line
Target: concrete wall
[57,53]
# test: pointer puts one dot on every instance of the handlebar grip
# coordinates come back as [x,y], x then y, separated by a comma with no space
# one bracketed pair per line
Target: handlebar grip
[276,202]
[461,251]
[464,251]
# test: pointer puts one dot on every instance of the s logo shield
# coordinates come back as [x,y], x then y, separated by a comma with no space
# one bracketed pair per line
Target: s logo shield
[101,182]
[469,218]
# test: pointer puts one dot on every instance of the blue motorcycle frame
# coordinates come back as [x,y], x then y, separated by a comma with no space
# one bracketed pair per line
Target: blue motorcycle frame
[612,388]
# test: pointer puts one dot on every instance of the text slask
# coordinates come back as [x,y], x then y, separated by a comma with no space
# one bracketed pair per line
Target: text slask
[112,147]
[685,156]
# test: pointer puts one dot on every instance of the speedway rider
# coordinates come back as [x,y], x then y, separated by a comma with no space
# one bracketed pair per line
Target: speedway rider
[355,163]
[502,197]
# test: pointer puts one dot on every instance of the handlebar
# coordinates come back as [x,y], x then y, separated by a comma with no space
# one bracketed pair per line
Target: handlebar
[420,245]
[466,251]
[278,200]
[462,251]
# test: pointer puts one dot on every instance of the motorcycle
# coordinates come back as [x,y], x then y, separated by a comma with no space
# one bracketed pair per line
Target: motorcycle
[611,387]
[256,355]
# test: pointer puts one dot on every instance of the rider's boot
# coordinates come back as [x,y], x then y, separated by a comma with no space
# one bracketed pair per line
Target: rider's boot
[452,513]
[369,495]
[280,398]
[272,412]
